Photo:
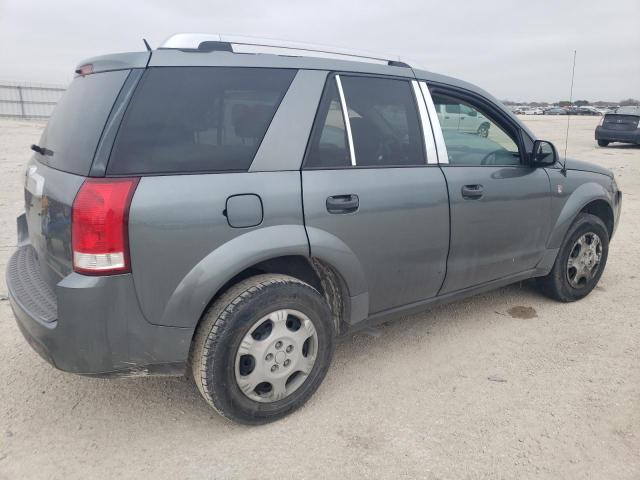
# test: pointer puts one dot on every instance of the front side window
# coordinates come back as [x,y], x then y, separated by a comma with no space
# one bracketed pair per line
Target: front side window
[384,124]
[472,136]
[197,119]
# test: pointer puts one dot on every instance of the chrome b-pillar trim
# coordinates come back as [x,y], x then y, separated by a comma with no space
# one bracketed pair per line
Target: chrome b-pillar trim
[347,123]
[429,142]
[443,156]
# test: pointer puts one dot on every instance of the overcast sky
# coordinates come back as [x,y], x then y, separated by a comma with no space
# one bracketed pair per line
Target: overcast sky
[519,50]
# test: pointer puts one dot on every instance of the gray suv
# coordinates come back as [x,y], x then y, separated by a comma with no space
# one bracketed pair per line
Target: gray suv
[224,208]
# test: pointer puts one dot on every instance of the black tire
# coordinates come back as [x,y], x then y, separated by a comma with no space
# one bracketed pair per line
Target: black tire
[483,130]
[556,284]
[226,323]
[603,143]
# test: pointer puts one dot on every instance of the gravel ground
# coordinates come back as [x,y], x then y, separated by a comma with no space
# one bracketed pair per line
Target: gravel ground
[503,385]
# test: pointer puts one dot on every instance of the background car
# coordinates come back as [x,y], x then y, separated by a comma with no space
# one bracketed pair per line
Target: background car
[586,110]
[555,111]
[462,118]
[622,126]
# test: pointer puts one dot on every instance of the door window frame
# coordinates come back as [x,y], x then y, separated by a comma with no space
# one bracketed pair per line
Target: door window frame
[495,114]
[429,148]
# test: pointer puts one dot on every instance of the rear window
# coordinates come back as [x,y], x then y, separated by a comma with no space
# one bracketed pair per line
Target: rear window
[197,119]
[74,129]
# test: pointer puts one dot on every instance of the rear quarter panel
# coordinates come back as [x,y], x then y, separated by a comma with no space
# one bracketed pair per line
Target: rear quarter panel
[183,248]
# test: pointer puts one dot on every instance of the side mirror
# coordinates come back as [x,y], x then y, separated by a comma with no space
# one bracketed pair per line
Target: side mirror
[544,154]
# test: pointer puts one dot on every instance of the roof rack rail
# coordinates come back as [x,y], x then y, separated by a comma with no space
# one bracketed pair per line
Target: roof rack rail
[208,42]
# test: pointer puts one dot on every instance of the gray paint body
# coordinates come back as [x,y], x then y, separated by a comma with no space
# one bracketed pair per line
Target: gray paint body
[413,242]
[500,234]
[399,235]
[184,214]
[284,143]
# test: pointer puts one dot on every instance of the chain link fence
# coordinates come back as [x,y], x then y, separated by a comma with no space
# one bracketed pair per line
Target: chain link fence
[28,100]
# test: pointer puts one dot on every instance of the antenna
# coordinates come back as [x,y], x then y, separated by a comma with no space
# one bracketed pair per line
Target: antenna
[566,138]
[146,44]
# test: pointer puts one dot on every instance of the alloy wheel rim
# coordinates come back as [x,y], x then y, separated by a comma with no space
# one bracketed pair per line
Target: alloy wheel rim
[276,355]
[584,260]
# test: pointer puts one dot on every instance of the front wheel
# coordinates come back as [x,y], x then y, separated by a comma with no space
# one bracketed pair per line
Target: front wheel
[263,348]
[603,143]
[483,130]
[580,261]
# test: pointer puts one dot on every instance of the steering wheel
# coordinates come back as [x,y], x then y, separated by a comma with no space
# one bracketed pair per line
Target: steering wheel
[485,159]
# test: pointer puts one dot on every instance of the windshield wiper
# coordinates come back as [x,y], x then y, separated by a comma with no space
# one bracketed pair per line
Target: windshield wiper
[42,150]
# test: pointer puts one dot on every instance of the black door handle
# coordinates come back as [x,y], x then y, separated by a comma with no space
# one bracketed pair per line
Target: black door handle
[343,203]
[472,191]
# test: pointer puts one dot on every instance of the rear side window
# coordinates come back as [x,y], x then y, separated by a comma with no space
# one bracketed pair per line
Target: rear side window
[74,129]
[384,123]
[328,147]
[197,119]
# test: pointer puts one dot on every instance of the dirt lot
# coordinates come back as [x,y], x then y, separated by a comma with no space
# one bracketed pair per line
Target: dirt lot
[503,385]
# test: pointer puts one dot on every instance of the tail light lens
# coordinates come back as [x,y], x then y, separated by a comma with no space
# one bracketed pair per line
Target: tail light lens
[99,231]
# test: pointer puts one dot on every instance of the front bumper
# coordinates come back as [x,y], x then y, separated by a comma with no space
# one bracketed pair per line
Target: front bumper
[624,136]
[91,325]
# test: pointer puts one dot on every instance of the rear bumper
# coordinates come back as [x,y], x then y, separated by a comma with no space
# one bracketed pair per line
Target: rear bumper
[630,136]
[91,325]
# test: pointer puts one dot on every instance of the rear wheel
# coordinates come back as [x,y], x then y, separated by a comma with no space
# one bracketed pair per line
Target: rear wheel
[580,261]
[263,348]
[603,143]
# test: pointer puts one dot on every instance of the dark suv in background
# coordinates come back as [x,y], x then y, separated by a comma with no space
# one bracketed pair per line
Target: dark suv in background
[207,210]
[622,126]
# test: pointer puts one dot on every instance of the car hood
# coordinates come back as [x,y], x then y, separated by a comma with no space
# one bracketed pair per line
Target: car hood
[573,164]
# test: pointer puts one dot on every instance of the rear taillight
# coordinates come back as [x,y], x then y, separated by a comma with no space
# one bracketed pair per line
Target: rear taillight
[99,231]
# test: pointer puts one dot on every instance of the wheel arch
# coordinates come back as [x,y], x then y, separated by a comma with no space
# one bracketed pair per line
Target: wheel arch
[319,274]
[587,198]
[602,209]
[280,249]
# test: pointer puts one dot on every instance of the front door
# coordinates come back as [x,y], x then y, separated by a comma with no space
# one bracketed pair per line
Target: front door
[369,194]
[500,206]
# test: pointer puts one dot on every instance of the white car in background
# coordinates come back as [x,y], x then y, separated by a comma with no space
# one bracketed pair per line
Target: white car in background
[533,111]
[462,118]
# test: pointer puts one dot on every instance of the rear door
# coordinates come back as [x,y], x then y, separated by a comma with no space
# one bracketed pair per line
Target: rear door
[500,206]
[367,182]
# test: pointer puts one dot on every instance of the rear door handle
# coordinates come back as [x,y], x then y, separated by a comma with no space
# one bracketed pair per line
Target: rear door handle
[343,203]
[471,192]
